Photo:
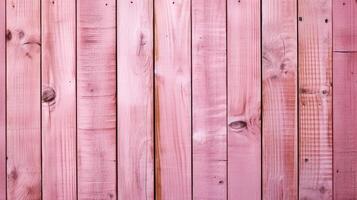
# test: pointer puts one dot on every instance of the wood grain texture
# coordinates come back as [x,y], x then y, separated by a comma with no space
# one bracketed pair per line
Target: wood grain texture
[23,99]
[209,99]
[315,94]
[244,100]
[344,124]
[135,100]
[173,99]
[2,101]
[96,99]
[279,99]
[59,99]
[345,25]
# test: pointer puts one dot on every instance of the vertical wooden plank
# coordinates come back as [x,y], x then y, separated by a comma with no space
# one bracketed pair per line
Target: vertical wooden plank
[345,117]
[135,100]
[244,100]
[23,99]
[2,101]
[96,99]
[315,94]
[59,99]
[279,99]
[173,99]
[209,99]
[344,99]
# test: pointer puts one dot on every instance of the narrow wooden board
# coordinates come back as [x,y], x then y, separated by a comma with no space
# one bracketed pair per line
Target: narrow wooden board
[135,100]
[96,99]
[59,99]
[344,95]
[173,99]
[244,100]
[344,125]
[279,33]
[345,25]
[209,99]
[315,94]
[2,101]
[23,99]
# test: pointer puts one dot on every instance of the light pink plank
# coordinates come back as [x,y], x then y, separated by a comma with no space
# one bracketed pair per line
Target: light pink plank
[23,99]
[345,25]
[59,99]
[345,125]
[209,99]
[244,99]
[2,103]
[96,99]
[173,99]
[315,94]
[279,130]
[135,100]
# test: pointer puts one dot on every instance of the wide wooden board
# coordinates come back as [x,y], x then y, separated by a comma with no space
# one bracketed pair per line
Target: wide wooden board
[172,99]
[96,99]
[59,99]
[135,100]
[279,34]
[209,99]
[23,99]
[244,100]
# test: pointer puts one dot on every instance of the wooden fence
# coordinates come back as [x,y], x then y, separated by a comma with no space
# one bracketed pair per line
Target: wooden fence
[178,99]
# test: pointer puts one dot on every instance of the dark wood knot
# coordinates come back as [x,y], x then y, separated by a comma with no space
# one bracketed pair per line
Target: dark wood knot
[238,125]
[8,35]
[48,95]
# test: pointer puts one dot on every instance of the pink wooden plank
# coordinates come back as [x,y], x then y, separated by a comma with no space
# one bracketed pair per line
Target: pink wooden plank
[173,99]
[244,99]
[2,102]
[315,86]
[209,99]
[135,100]
[96,99]
[279,99]
[59,99]
[23,99]
[345,118]
[345,25]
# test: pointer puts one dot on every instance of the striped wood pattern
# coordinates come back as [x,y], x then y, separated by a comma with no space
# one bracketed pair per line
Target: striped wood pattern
[96,93]
[279,28]
[23,99]
[173,99]
[315,95]
[209,99]
[244,100]
[135,103]
[2,102]
[59,100]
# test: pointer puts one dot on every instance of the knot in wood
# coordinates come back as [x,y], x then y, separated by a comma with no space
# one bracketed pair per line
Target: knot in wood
[8,35]
[48,95]
[238,125]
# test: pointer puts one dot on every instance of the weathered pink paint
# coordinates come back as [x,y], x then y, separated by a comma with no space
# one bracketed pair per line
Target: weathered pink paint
[209,99]
[135,100]
[2,102]
[96,99]
[244,100]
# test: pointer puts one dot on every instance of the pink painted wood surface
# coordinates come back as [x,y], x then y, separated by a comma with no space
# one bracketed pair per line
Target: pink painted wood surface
[344,125]
[345,25]
[96,99]
[209,99]
[244,100]
[59,100]
[173,99]
[279,29]
[2,102]
[23,99]
[315,94]
[135,100]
